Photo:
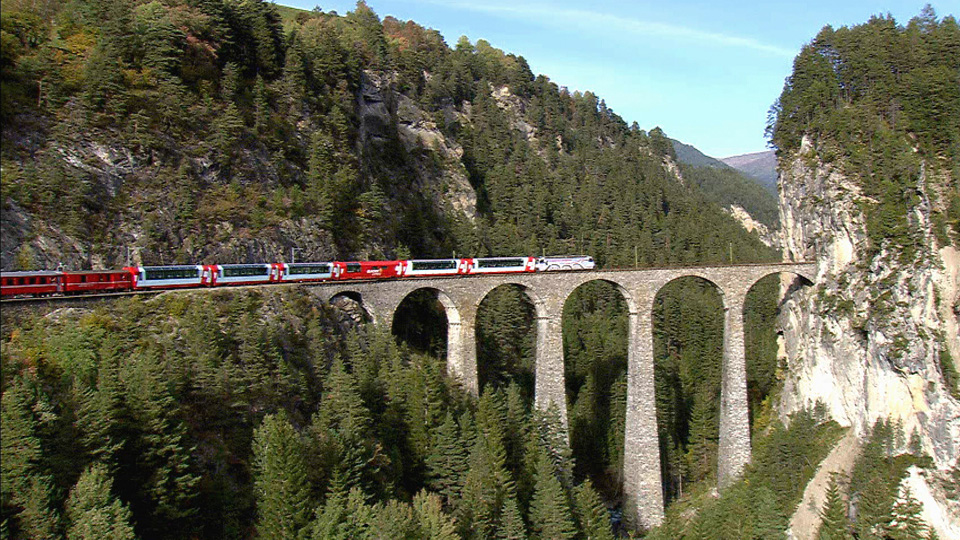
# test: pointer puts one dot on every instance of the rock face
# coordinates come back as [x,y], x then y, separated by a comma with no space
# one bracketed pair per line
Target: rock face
[768,237]
[867,339]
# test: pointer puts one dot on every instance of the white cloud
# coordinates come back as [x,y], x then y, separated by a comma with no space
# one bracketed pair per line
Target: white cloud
[604,21]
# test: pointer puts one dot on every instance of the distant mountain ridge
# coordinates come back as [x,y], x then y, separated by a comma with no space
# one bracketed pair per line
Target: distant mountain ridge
[690,155]
[761,166]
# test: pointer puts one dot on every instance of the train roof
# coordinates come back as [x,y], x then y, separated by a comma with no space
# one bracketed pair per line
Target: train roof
[76,272]
[31,273]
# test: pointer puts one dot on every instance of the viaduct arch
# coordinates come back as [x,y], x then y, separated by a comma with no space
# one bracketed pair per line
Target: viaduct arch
[461,297]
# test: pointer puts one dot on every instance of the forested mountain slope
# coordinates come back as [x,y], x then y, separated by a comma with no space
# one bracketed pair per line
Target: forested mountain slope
[868,137]
[214,130]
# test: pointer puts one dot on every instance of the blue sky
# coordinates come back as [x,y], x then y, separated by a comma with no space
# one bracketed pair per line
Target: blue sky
[705,72]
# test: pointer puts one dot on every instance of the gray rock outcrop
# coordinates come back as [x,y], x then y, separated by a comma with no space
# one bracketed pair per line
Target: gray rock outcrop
[868,339]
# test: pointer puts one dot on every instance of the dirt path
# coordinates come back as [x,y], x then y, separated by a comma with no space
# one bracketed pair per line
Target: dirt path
[806,520]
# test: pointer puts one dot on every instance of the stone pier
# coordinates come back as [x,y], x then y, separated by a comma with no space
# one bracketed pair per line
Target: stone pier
[548,291]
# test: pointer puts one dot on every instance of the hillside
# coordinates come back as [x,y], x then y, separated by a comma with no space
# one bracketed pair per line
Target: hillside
[734,190]
[185,132]
[761,166]
[690,155]
[867,131]
[337,136]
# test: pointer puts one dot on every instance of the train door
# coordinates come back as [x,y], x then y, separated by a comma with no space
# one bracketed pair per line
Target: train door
[276,272]
[208,276]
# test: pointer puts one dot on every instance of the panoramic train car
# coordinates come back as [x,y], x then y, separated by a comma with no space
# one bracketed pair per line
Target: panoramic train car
[42,283]
[366,270]
[502,265]
[245,274]
[36,283]
[93,281]
[317,271]
[433,267]
[569,262]
[150,277]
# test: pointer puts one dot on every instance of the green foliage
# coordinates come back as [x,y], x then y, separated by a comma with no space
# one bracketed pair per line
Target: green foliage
[92,512]
[834,523]
[761,503]
[728,187]
[591,513]
[883,101]
[882,511]
[549,511]
[280,480]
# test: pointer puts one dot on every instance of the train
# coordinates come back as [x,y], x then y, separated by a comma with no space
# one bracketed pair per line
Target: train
[133,278]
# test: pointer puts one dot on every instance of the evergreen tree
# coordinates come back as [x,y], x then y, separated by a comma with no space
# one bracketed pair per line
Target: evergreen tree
[280,480]
[162,476]
[549,515]
[591,513]
[905,522]
[433,524]
[225,134]
[447,461]
[261,108]
[27,493]
[834,522]
[93,513]
[511,522]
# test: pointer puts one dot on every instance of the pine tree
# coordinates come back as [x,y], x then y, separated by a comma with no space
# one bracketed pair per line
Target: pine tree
[343,423]
[447,461]
[261,108]
[432,522]
[20,445]
[27,493]
[163,479]
[280,480]
[93,513]
[226,132]
[834,522]
[344,516]
[905,522]
[549,515]
[511,522]
[591,513]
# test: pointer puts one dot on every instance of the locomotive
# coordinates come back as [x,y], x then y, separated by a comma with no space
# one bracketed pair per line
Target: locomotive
[43,283]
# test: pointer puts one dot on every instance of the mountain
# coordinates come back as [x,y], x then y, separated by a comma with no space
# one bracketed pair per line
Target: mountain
[335,136]
[761,166]
[874,199]
[690,155]
[737,193]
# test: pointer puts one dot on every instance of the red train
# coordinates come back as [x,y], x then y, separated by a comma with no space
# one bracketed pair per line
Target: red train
[42,283]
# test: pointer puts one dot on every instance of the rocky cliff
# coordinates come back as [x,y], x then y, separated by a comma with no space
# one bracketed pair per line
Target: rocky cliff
[873,337]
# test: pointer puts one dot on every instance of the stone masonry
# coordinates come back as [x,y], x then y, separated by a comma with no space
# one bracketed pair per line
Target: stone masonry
[461,297]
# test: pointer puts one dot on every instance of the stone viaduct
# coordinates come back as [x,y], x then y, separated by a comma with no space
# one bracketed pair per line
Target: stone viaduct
[461,297]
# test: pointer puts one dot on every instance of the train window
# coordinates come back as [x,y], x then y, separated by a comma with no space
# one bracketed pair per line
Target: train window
[171,273]
[353,267]
[433,265]
[242,271]
[308,269]
[499,263]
